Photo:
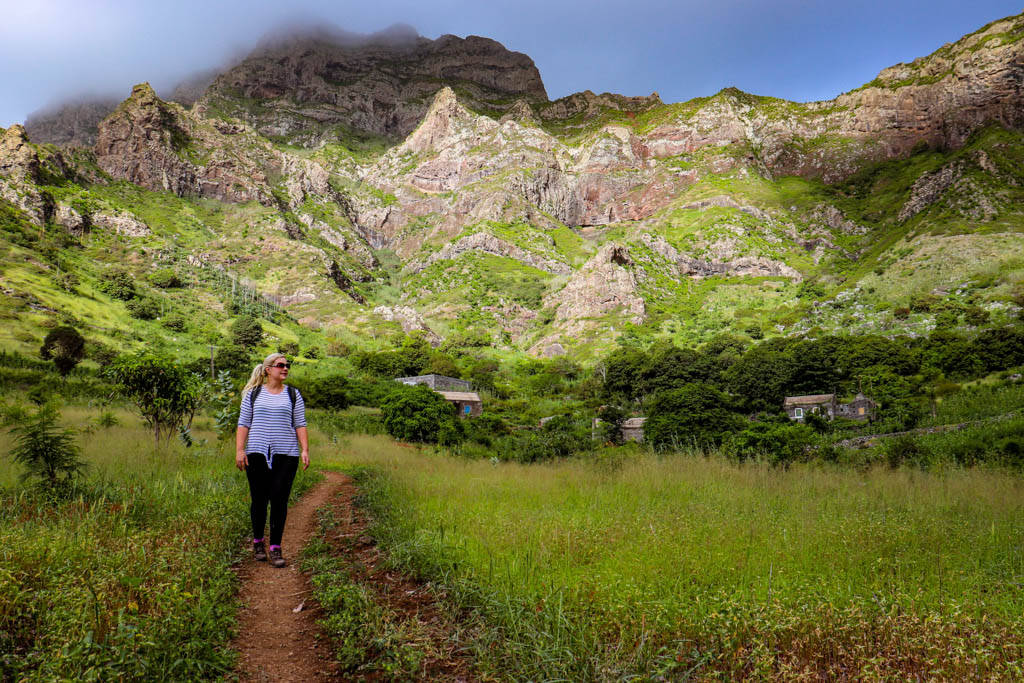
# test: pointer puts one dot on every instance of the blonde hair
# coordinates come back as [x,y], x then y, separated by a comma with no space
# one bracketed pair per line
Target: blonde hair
[259,373]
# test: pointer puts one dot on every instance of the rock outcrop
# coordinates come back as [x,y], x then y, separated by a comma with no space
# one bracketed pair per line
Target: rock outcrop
[378,84]
[489,244]
[603,285]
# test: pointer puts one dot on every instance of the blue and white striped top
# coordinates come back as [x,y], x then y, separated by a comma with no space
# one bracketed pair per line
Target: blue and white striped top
[271,423]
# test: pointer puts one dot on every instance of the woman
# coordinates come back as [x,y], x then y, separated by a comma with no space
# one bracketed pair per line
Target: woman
[270,441]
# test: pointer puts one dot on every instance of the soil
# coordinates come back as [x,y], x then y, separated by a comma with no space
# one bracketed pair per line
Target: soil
[276,643]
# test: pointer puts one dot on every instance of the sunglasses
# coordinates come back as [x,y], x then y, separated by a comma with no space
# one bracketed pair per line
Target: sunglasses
[283,366]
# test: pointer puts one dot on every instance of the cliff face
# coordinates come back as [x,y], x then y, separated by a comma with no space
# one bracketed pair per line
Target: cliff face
[299,88]
[556,219]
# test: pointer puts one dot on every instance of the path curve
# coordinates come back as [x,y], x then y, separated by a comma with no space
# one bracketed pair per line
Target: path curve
[274,642]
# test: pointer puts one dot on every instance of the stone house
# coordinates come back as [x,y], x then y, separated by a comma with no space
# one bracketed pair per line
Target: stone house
[456,391]
[633,429]
[438,382]
[799,407]
[860,408]
[829,407]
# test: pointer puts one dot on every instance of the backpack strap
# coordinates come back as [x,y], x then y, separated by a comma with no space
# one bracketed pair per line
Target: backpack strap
[292,394]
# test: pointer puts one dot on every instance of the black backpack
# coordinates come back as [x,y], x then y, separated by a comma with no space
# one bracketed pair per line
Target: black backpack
[292,393]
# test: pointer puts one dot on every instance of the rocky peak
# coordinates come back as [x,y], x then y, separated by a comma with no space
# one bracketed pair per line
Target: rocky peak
[441,122]
[18,159]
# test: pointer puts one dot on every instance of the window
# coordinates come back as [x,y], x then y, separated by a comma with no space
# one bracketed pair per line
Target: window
[798,413]
[860,410]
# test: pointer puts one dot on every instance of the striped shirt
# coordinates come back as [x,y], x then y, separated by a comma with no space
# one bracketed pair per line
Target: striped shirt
[272,424]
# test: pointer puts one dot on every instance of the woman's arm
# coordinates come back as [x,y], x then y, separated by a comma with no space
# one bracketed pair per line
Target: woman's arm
[241,436]
[303,437]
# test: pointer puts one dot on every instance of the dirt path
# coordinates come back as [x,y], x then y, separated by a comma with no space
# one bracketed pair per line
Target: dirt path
[275,642]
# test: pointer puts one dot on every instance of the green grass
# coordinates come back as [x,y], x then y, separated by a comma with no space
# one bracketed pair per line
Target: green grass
[130,579]
[691,566]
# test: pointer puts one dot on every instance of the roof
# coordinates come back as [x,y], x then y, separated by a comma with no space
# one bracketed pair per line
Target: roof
[811,400]
[460,395]
[634,423]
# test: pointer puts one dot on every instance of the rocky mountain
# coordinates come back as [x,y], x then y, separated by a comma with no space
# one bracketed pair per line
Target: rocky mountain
[394,182]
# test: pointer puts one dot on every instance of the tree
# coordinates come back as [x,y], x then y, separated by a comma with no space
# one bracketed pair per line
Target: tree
[419,414]
[65,347]
[143,308]
[165,393]
[695,413]
[780,443]
[48,453]
[247,332]
[165,278]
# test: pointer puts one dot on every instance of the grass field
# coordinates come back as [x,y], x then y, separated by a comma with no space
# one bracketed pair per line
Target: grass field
[129,579]
[622,566]
[693,566]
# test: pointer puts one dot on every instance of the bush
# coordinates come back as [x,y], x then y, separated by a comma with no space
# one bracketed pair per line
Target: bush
[695,413]
[47,453]
[289,349]
[906,450]
[560,437]
[165,393]
[327,393]
[117,283]
[419,414]
[165,278]
[65,347]
[175,321]
[781,444]
[236,360]
[143,308]
[247,332]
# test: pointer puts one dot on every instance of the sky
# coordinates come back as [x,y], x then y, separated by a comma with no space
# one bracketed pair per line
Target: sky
[53,50]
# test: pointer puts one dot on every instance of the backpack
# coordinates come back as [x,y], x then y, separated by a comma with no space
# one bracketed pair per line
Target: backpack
[292,393]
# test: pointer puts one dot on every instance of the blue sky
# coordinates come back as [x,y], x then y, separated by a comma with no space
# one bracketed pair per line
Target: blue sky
[796,49]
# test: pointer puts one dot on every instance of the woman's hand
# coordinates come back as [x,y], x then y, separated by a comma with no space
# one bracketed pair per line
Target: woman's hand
[241,461]
[305,460]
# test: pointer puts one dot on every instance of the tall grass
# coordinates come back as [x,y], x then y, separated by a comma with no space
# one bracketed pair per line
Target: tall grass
[691,565]
[129,579]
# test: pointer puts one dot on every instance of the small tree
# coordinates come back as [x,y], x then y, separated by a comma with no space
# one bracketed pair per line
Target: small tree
[118,283]
[65,347]
[165,393]
[694,413]
[247,332]
[49,454]
[419,414]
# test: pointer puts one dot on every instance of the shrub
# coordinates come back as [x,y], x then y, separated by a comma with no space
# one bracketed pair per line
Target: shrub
[175,321]
[65,347]
[560,437]
[419,414]
[117,283]
[695,413]
[164,392]
[234,359]
[781,444]
[143,308]
[313,352]
[906,450]
[289,349]
[48,454]
[329,393]
[165,278]
[923,303]
[247,332]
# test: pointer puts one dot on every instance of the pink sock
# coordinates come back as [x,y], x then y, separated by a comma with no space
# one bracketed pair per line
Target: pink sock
[275,547]
[257,540]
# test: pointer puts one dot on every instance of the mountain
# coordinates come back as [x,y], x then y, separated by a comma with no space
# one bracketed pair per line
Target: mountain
[392,182]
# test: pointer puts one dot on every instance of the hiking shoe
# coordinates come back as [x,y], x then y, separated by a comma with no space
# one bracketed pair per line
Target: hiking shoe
[259,551]
[275,558]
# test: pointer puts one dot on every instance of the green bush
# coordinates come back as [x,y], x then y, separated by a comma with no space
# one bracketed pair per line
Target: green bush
[65,347]
[117,283]
[560,437]
[779,444]
[48,454]
[694,414]
[175,321]
[165,278]
[419,414]
[327,393]
[143,308]
[247,332]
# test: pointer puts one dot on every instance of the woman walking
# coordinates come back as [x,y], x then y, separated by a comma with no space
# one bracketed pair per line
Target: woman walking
[270,441]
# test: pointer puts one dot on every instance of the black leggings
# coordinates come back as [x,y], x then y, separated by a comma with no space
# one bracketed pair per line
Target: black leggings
[272,486]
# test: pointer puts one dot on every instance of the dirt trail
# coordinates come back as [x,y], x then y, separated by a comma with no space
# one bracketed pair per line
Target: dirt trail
[278,644]
[275,642]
